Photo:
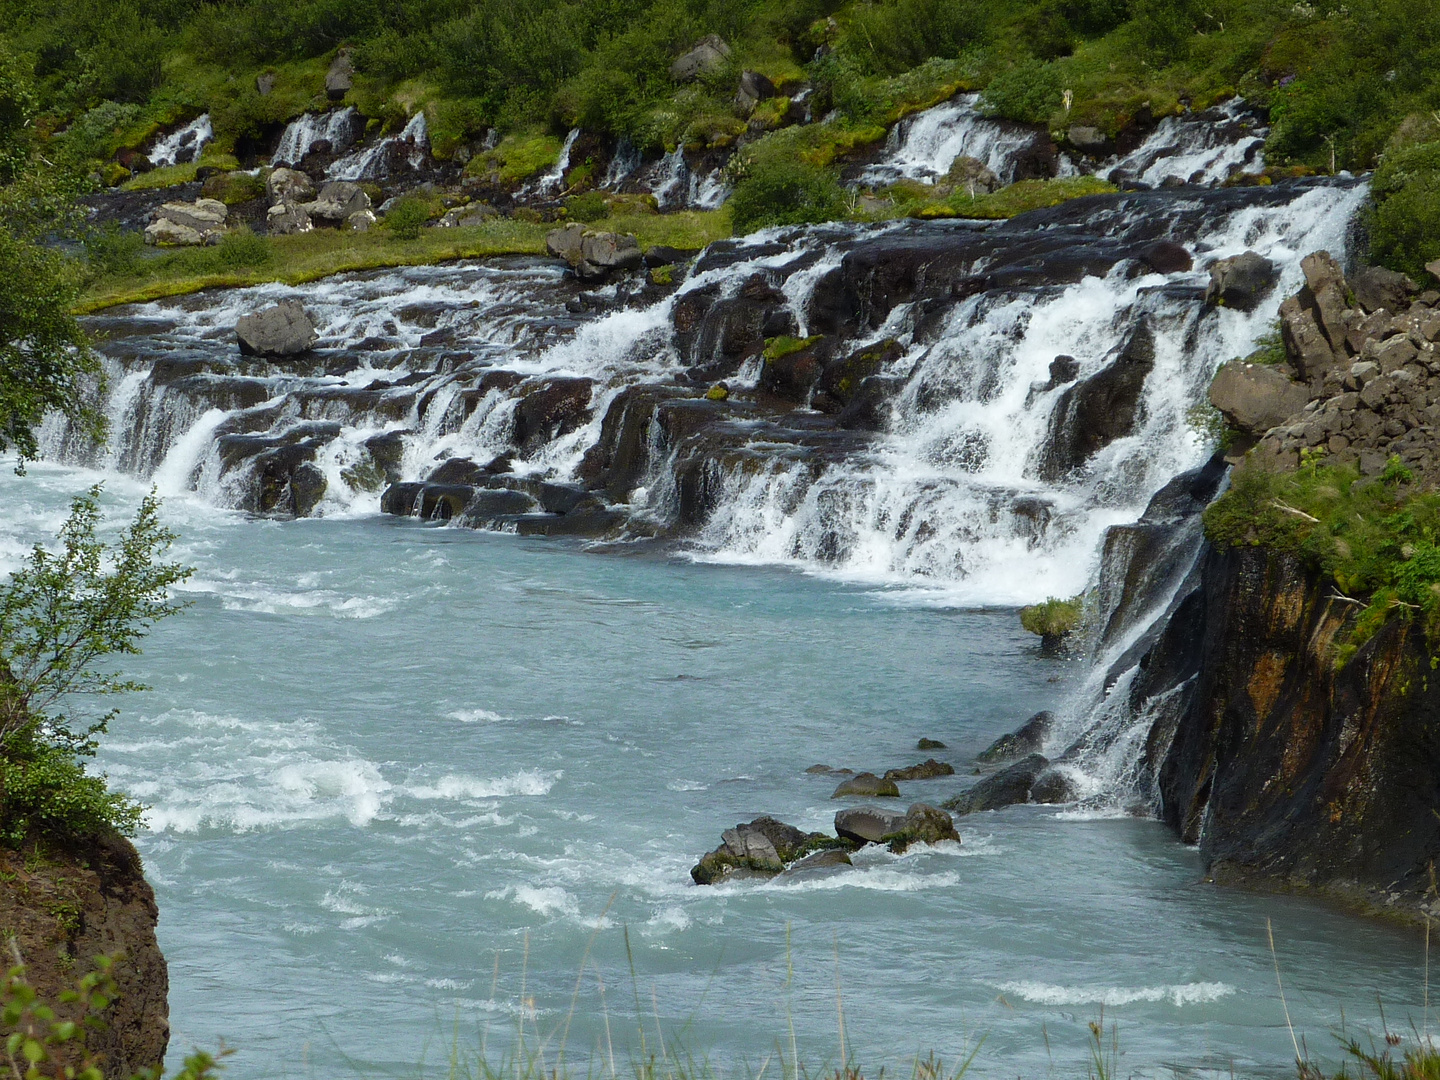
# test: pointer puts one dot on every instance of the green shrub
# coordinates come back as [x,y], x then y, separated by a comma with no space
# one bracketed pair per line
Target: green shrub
[1405,225]
[1054,618]
[590,206]
[113,250]
[46,790]
[785,192]
[240,248]
[233,188]
[1028,92]
[407,217]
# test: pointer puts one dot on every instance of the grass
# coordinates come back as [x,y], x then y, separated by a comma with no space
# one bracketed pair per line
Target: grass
[1377,539]
[294,260]
[1054,618]
[1009,201]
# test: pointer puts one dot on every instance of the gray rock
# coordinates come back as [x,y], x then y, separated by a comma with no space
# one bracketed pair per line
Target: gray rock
[187,224]
[359,221]
[826,770]
[1053,786]
[1005,788]
[289,185]
[1433,268]
[1379,289]
[1087,139]
[1028,739]
[929,744]
[972,175]
[601,254]
[282,330]
[461,216]
[820,864]
[709,54]
[868,824]
[264,83]
[340,79]
[337,201]
[923,824]
[285,219]
[1241,281]
[565,243]
[1305,343]
[745,843]
[1328,296]
[866,786]
[754,88]
[1256,397]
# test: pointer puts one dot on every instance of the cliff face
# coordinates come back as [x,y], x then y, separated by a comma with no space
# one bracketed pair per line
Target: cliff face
[1283,769]
[68,905]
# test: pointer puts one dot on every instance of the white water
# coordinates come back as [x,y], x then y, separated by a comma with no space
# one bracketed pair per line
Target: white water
[372,162]
[1205,148]
[185,142]
[923,146]
[340,127]
[553,179]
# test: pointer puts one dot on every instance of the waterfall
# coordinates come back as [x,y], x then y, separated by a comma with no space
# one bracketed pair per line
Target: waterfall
[183,145]
[553,179]
[339,129]
[923,146]
[625,162]
[1195,148]
[670,180]
[375,161]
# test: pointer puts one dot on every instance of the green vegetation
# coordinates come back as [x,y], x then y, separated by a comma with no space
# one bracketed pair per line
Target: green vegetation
[1405,227]
[925,202]
[407,217]
[785,192]
[61,614]
[1053,620]
[1377,539]
[44,1043]
[777,347]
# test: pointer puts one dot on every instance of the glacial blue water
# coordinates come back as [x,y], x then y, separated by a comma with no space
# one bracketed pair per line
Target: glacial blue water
[412,786]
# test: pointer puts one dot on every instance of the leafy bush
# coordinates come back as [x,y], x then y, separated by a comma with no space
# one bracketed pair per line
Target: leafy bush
[61,614]
[1405,225]
[240,248]
[407,217]
[1054,618]
[785,192]
[113,250]
[1028,92]
[588,207]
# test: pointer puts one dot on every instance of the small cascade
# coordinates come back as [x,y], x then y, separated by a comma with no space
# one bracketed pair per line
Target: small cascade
[923,146]
[337,130]
[669,180]
[708,192]
[1195,148]
[182,146]
[626,161]
[552,180]
[375,162]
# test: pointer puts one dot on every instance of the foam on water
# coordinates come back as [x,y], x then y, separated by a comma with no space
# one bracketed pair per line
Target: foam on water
[339,128]
[1180,994]
[185,143]
[923,147]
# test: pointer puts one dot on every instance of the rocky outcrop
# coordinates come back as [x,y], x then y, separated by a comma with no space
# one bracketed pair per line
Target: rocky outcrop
[1029,738]
[1010,785]
[709,54]
[594,256]
[176,224]
[68,904]
[282,330]
[761,848]
[1096,411]
[866,785]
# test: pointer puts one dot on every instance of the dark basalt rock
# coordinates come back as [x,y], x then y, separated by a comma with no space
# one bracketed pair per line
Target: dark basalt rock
[555,407]
[1094,412]
[866,786]
[1028,739]
[1007,787]
[760,848]
[929,744]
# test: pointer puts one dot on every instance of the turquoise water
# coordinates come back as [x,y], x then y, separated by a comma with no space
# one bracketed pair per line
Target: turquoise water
[403,777]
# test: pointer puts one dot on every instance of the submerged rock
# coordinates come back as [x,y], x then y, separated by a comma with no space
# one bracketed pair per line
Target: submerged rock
[820,864]
[1007,787]
[866,786]
[920,824]
[926,770]
[930,744]
[1028,739]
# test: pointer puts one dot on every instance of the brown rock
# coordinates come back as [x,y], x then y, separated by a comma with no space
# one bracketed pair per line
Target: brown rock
[866,786]
[1256,397]
[926,770]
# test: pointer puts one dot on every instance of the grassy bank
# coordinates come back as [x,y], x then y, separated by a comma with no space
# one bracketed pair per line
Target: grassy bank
[147,275]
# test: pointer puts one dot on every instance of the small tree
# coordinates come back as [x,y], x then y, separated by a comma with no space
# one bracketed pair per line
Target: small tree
[61,614]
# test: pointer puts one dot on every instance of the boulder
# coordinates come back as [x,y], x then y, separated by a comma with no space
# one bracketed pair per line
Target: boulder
[565,243]
[1328,296]
[663,255]
[1005,788]
[337,201]
[754,88]
[709,54]
[820,864]
[1028,739]
[289,185]
[1087,139]
[866,786]
[282,330]
[1053,786]
[1256,397]
[926,770]
[461,216]
[340,78]
[187,224]
[929,744]
[264,83]
[868,824]
[972,175]
[826,770]
[359,221]
[1166,257]
[923,824]
[759,848]
[1377,289]
[1241,281]
[1305,343]
[601,254]
[1096,411]
[286,219]
[1433,268]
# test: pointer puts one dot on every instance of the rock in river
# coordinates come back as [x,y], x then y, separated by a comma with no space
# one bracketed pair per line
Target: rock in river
[282,330]
[1028,740]
[926,770]
[1005,788]
[866,786]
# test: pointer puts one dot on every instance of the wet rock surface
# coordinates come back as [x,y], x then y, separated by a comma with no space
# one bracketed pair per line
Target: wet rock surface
[1011,785]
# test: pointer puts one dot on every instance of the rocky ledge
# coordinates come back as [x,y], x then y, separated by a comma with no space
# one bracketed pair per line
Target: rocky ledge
[68,905]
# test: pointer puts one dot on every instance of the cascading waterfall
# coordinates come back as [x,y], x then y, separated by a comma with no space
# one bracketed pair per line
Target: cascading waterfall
[182,145]
[923,146]
[374,162]
[339,129]
[1195,148]
[553,179]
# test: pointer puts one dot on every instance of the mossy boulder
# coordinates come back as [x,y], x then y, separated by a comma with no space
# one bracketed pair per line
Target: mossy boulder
[926,770]
[1053,621]
[866,786]
[923,824]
